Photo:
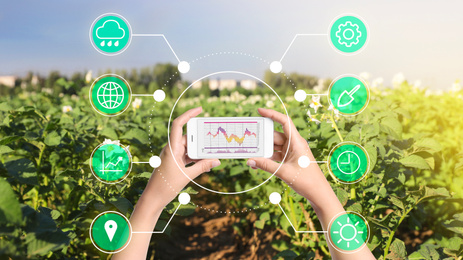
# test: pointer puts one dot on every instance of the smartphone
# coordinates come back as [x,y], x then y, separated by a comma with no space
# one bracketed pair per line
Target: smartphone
[230,137]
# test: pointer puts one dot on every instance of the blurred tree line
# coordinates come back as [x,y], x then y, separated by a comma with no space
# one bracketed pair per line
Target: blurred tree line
[148,79]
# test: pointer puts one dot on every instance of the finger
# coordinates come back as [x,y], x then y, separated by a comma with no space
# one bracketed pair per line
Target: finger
[188,160]
[202,166]
[279,138]
[277,147]
[179,122]
[263,163]
[277,156]
[184,140]
[283,120]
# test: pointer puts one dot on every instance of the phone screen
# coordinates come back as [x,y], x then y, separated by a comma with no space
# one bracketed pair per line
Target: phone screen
[239,137]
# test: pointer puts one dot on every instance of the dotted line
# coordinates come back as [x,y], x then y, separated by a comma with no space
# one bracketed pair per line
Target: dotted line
[229,211]
[246,210]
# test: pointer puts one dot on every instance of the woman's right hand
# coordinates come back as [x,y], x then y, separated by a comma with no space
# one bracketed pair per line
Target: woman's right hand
[297,146]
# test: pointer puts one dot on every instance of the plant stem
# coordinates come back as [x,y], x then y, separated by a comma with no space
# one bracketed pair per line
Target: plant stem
[391,236]
[336,127]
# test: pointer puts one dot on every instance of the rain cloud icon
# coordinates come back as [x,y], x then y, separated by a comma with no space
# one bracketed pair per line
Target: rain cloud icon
[110,30]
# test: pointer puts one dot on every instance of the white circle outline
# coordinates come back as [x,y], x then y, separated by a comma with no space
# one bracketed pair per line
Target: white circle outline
[90,34]
[358,166]
[104,76]
[329,162]
[91,237]
[352,76]
[366,27]
[114,182]
[329,232]
[170,119]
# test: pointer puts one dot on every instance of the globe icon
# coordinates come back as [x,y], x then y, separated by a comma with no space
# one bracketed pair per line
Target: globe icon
[110,95]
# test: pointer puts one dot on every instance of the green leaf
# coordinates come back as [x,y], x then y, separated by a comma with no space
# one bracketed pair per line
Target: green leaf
[23,170]
[52,139]
[428,144]
[237,170]
[415,161]
[137,135]
[397,250]
[428,251]
[43,243]
[263,218]
[10,210]
[397,202]
[455,243]
[456,224]
[392,126]
[5,149]
[9,139]
[286,255]
[431,193]
[416,255]
[122,204]
[343,196]
[4,106]
[109,132]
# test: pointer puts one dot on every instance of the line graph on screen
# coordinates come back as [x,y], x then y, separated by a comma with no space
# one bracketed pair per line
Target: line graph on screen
[231,137]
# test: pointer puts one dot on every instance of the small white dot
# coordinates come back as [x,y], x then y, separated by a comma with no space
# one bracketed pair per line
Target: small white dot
[155,161]
[304,161]
[300,95]
[275,198]
[276,67]
[183,67]
[159,95]
[184,198]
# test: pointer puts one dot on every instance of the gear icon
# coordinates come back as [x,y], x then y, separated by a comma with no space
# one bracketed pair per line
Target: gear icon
[348,34]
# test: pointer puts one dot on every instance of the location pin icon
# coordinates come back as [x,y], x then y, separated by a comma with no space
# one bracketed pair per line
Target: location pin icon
[110,226]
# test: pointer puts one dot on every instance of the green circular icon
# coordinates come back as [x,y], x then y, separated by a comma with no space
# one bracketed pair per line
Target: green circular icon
[110,232]
[110,95]
[348,34]
[348,162]
[349,94]
[110,162]
[348,231]
[110,34]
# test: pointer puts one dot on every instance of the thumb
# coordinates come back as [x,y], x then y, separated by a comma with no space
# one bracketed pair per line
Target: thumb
[202,166]
[263,163]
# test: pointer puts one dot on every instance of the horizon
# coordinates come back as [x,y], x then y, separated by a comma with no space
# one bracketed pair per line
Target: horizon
[418,40]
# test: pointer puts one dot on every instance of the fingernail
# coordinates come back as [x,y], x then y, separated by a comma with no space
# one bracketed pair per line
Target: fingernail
[251,163]
[215,163]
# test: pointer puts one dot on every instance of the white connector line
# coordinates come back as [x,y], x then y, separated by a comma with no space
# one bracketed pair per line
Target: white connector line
[140,162]
[142,95]
[158,232]
[293,225]
[157,35]
[319,161]
[301,34]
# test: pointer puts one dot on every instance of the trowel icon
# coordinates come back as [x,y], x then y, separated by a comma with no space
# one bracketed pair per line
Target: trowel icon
[346,97]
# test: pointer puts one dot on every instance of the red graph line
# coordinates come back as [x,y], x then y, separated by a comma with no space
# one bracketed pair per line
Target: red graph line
[232,137]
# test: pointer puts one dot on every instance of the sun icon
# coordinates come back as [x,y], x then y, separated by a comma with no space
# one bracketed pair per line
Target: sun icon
[348,231]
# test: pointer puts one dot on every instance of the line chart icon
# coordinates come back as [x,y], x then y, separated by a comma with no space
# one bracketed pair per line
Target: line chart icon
[348,34]
[110,34]
[110,162]
[110,95]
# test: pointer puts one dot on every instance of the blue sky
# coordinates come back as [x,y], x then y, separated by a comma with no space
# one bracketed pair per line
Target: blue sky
[422,39]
